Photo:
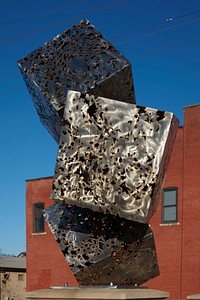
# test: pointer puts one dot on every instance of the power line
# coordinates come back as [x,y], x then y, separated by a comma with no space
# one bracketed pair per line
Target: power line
[169,46]
[63,21]
[9,90]
[156,50]
[167,20]
[8,76]
[158,31]
[139,37]
[7,69]
[90,12]
[183,16]
[140,54]
[42,16]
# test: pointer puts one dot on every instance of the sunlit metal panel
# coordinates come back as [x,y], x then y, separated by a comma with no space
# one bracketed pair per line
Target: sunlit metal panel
[113,156]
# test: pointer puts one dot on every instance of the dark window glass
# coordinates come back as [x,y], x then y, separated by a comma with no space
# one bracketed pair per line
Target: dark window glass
[38,219]
[169,205]
[20,277]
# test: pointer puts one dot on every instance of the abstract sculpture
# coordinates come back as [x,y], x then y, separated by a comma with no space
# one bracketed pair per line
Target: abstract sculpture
[102,248]
[111,156]
[80,59]
[111,160]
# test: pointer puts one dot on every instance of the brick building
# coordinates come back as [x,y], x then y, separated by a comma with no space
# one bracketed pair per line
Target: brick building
[45,263]
[178,242]
[13,277]
[176,224]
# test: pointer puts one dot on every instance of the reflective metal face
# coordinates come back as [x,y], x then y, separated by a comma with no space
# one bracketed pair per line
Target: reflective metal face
[80,59]
[111,156]
[92,242]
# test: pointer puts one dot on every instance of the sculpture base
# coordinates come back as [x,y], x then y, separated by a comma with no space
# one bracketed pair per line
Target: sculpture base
[79,293]
[194,297]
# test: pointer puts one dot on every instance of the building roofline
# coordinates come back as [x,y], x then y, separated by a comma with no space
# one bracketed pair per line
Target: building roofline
[14,270]
[13,263]
[192,105]
[39,178]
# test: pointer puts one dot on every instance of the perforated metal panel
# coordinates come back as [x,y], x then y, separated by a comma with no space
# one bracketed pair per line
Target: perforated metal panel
[112,156]
[111,160]
[80,59]
[102,248]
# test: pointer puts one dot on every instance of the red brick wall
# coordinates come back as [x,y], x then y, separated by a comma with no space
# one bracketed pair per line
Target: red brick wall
[168,237]
[178,245]
[191,199]
[46,265]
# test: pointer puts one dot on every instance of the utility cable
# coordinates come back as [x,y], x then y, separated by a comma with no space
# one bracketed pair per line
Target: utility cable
[151,33]
[136,55]
[127,41]
[159,23]
[8,76]
[63,21]
[158,31]
[183,16]
[10,90]
[90,12]
[42,16]
[169,46]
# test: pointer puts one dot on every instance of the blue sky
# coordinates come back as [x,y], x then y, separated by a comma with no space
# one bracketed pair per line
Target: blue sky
[165,58]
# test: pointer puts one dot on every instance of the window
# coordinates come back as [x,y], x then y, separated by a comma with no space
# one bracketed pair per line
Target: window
[6,277]
[169,205]
[38,219]
[20,277]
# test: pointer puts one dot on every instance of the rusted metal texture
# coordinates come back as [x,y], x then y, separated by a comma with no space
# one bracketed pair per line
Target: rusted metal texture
[102,248]
[79,59]
[112,156]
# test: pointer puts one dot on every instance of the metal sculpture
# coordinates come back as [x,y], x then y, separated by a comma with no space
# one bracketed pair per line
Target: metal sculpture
[111,160]
[111,156]
[80,59]
[93,241]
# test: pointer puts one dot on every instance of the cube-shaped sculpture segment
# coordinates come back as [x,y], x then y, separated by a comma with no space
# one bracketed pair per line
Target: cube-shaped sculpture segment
[79,59]
[112,156]
[93,241]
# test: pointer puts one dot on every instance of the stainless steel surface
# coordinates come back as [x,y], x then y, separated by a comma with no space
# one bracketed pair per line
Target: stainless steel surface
[112,156]
[111,160]
[80,59]
[102,248]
